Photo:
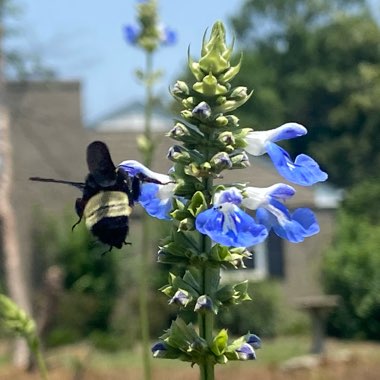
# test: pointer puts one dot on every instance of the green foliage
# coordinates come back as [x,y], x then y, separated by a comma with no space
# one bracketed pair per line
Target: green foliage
[352,266]
[260,316]
[317,63]
[90,278]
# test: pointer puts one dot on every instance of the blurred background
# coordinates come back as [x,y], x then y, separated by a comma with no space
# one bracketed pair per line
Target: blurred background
[67,77]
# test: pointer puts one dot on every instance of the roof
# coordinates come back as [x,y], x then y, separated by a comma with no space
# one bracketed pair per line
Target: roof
[131,117]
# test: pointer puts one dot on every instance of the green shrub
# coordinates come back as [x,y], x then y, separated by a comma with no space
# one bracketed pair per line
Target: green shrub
[261,316]
[90,285]
[351,267]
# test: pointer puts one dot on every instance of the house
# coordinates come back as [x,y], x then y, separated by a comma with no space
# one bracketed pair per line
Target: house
[49,140]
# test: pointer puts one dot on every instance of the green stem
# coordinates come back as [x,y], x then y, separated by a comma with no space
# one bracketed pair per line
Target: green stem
[145,241]
[148,111]
[206,319]
[143,298]
[35,347]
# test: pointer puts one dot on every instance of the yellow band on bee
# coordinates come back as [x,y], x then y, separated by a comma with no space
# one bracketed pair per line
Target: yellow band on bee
[106,204]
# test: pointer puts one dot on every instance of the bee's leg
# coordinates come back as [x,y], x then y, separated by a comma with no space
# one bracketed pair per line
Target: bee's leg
[76,223]
[136,189]
[127,243]
[79,208]
[107,251]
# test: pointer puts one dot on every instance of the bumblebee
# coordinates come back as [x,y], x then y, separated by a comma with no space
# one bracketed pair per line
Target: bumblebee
[108,196]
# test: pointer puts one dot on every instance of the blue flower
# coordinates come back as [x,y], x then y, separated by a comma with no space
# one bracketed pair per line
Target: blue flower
[159,350]
[181,298]
[155,196]
[246,352]
[168,36]
[253,340]
[131,33]
[274,215]
[226,224]
[302,171]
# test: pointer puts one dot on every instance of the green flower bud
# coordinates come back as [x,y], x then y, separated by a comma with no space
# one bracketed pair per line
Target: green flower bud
[215,54]
[188,115]
[240,161]
[186,224]
[221,100]
[239,93]
[233,121]
[221,121]
[227,138]
[179,131]
[193,170]
[189,102]
[180,88]
[220,343]
[210,86]
[231,105]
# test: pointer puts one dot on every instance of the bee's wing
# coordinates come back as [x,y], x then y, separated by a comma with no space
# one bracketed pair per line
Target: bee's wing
[78,185]
[100,164]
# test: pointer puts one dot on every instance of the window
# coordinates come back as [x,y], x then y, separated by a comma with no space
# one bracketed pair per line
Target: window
[267,261]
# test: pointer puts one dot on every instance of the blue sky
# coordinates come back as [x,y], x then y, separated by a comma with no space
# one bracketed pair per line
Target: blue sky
[82,39]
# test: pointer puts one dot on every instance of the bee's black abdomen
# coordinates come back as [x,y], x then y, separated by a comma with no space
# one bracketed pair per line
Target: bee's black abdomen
[112,231]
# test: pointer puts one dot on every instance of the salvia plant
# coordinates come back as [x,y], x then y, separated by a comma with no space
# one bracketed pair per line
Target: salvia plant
[211,227]
[15,321]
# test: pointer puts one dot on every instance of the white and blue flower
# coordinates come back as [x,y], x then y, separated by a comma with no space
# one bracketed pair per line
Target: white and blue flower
[302,171]
[226,224]
[273,214]
[156,197]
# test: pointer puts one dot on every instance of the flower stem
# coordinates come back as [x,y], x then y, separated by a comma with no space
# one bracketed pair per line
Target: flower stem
[143,297]
[145,241]
[206,319]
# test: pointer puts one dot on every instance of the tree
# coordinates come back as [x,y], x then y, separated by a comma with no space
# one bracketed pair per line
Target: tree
[317,63]
[13,267]
[351,267]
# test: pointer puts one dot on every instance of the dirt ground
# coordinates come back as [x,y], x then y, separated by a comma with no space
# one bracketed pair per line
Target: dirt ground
[357,362]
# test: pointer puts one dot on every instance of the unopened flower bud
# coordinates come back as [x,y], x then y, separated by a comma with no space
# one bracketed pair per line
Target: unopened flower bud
[233,120]
[178,131]
[204,303]
[158,347]
[181,298]
[227,138]
[221,161]
[177,153]
[187,115]
[180,88]
[246,352]
[186,224]
[239,93]
[240,160]
[253,340]
[221,100]
[210,86]
[189,102]
[202,111]
[221,121]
